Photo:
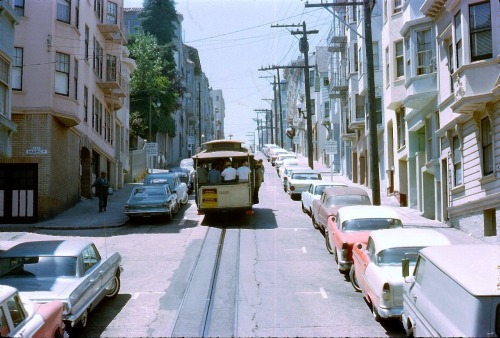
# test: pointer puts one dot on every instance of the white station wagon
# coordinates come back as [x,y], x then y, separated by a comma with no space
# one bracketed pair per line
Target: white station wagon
[314,193]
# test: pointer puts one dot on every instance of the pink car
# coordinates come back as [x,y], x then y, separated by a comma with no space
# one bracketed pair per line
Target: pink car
[28,319]
[353,224]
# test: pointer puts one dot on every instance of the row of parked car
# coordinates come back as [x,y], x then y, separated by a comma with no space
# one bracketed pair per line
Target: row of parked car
[162,193]
[415,275]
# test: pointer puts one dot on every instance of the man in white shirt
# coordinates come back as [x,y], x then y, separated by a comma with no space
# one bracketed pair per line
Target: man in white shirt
[229,173]
[243,172]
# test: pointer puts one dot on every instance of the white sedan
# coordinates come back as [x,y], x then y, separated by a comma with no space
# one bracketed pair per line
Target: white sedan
[376,271]
[299,181]
[314,193]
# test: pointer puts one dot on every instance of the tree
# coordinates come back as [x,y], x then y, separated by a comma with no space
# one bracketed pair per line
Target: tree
[151,80]
[158,19]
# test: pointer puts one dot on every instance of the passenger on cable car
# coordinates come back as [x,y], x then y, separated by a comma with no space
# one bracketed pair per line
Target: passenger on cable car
[243,172]
[229,174]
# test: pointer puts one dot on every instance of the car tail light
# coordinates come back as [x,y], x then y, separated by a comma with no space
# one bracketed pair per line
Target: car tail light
[386,291]
[292,188]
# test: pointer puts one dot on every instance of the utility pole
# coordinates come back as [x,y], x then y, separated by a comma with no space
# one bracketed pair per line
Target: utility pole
[372,118]
[281,110]
[271,118]
[199,113]
[275,104]
[265,111]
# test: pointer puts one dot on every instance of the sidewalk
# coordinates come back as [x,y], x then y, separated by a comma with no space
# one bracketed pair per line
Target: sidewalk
[409,216]
[85,214]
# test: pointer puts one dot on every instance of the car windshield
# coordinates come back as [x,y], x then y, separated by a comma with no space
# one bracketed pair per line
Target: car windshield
[369,224]
[159,180]
[321,188]
[306,177]
[37,267]
[344,200]
[150,191]
[394,256]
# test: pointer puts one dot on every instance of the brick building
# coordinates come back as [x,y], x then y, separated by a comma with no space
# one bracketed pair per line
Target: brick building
[70,76]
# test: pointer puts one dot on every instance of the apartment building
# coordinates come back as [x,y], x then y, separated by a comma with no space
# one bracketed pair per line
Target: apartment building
[219,113]
[8,21]
[467,51]
[69,103]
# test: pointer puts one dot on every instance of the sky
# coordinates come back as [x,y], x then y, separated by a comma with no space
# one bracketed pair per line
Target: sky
[235,39]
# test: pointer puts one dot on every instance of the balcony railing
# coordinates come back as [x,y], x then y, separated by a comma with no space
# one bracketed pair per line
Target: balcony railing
[112,25]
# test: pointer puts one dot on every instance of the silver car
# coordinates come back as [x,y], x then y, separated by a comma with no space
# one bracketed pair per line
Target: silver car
[71,271]
[152,200]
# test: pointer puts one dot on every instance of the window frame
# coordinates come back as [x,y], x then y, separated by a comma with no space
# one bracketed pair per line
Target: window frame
[487,149]
[423,56]
[19,7]
[62,66]
[66,15]
[480,31]
[398,58]
[458,177]
[17,68]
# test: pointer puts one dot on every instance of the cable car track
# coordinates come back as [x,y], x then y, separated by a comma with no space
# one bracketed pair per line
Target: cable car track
[209,306]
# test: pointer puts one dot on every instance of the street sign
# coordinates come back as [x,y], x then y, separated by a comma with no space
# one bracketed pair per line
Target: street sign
[152,149]
[296,140]
[190,139]
[331,147]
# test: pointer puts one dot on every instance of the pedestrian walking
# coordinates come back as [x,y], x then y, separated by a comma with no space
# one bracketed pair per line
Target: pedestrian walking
[101,185]
[259,178]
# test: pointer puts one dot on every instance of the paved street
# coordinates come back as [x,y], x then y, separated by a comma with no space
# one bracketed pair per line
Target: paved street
[276,277]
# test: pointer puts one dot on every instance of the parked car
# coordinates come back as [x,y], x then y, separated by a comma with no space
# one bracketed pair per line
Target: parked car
[70,271]
[299,180]
[273,154]
[267,148]
[287,163]
[376,268]
[331,200]
[152,200]
[287,171]
[185,176]
[453,292]
[188,163]
[353,224]
[23,318]
[281,157]
[174,181]
[314,192]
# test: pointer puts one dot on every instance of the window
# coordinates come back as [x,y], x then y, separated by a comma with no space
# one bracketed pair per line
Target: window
[487,146]
[62,74]
[16,309]
[480,31]
[355,57]
[19,7]
[326,82]
[75,79]
[376,56]
[378,110]
[63,10]
[107,126]
[96,114]
[326,111]
[111,68]
[451,68]
[429,132]
[458,40]
[424,52]
[86,42]
[98,9]
[17,69]
[457,161]
[90,257]
[311,78]
[112,14]
[354,13]
[400,60]
[98,53]
[387,67]
[385,11]
[400,120]
[85,104]
[77,13]
[398,6]
[4,85]
[360,108]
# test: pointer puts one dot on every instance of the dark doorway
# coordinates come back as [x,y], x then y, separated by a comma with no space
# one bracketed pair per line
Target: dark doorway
[18,193]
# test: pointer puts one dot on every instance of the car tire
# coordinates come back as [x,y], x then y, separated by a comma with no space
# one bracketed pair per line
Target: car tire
[175,210]
[115,286]
[78,327]
[375,313]
[353,279]
[315,225]
[185,199]
[327,243]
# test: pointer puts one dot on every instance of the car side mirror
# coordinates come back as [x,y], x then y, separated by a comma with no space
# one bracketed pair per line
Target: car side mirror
[405,267]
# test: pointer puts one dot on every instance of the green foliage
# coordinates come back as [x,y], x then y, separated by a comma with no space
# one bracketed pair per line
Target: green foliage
[158,19]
